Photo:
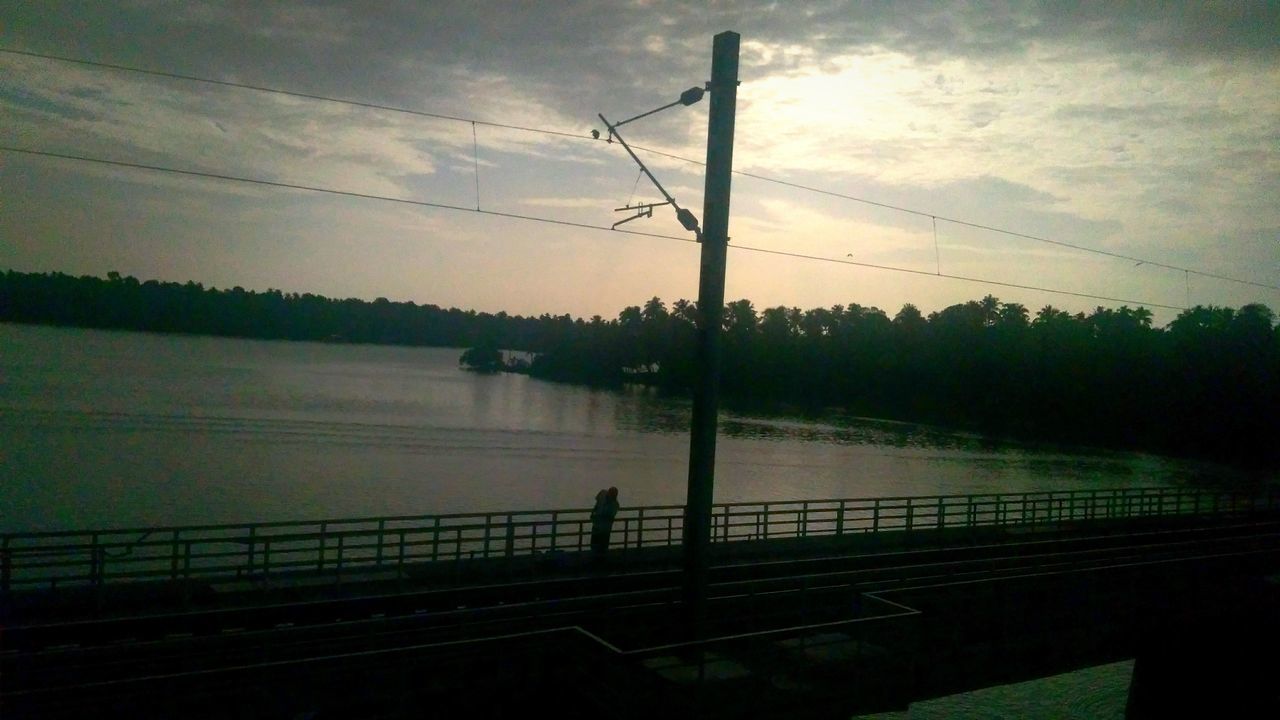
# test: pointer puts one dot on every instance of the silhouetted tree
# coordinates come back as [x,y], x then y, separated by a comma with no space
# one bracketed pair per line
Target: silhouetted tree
[1208,384]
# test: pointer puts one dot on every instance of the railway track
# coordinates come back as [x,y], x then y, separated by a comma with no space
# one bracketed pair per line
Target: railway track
[48,658]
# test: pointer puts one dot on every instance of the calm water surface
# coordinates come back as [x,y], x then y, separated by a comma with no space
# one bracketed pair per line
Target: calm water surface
[125,429]
[111,429]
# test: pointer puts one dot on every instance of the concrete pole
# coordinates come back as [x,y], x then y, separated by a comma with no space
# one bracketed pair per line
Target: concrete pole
[715,240]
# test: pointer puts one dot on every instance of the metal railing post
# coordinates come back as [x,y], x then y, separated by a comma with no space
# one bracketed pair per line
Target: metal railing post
[400,558]
[435,540]
[173,559]
[186,573]
[95,570]
[322,541]
[511,536]
[253,530]
[341,541]
[488,529]
[382,526]
[266,562]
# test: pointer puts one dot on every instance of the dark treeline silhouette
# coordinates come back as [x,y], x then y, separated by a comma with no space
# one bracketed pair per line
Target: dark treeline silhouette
[1206,385]
[153,306]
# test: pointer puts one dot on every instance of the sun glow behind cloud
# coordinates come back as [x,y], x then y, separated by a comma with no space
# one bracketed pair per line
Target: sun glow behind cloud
[1054,134]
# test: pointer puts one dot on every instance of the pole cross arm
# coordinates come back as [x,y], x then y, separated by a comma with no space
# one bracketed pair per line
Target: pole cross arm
[686,217]
[687,98]
[642,210]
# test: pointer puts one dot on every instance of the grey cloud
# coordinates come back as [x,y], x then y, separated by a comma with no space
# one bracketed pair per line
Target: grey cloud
[983,114]
[1177,30]
[39,104]
[1148,114]
[1012,192]
[576,54]
[88,93]
[986,200]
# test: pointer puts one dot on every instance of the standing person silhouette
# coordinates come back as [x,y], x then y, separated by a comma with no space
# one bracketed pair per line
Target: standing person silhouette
[602,516]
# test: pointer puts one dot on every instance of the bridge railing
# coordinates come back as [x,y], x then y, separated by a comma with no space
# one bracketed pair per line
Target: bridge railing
[385,546]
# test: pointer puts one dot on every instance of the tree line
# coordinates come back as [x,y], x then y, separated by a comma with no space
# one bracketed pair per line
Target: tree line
[153,306]
[1207,384]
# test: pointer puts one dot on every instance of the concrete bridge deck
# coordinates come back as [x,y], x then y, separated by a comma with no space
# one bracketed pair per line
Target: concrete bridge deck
[801,627]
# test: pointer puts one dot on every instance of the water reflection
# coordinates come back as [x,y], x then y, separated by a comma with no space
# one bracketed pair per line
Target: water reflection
[115,428]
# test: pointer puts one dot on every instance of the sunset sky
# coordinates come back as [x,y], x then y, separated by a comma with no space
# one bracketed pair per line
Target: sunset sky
[1151,131]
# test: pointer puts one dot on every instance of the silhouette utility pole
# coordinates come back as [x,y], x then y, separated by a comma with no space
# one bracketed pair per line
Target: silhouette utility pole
[715,241]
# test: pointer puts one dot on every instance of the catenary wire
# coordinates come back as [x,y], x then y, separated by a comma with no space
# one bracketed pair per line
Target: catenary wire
[559,133]
[558,221]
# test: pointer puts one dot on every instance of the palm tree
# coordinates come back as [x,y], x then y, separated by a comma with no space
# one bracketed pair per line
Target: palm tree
[654,310]
[740,317]
[685,310]
[990,307]
[1013,314]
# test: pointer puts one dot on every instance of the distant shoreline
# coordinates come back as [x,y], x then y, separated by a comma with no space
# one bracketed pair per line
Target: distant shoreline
[1207,386]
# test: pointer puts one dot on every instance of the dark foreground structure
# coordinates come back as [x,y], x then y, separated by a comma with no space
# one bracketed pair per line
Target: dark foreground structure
[817,609]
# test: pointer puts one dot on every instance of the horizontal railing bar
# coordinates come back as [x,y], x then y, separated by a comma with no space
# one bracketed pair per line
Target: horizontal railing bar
[677,509]
[786,506]
[72,558]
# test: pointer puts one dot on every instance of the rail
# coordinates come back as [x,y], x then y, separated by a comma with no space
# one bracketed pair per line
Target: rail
[387,546]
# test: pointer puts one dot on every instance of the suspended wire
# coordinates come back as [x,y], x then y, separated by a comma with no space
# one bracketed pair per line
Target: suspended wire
[330,191]
[1011,233]
[673,156]
[475,150]
[288,93]
[568,223]
[937,254]
[949,276]
[636,184]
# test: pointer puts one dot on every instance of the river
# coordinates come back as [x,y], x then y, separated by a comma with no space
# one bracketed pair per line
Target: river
[117,429]
[112,429]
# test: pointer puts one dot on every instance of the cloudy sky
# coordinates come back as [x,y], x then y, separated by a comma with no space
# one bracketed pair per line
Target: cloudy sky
[1150,130]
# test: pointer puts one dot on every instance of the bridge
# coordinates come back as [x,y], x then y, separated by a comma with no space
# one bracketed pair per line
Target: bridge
[819,608]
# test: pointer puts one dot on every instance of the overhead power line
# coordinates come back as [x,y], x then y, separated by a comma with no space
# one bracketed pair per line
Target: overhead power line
[327,191]
[577,136]
[289,93]
[558,221]
[1012,233]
